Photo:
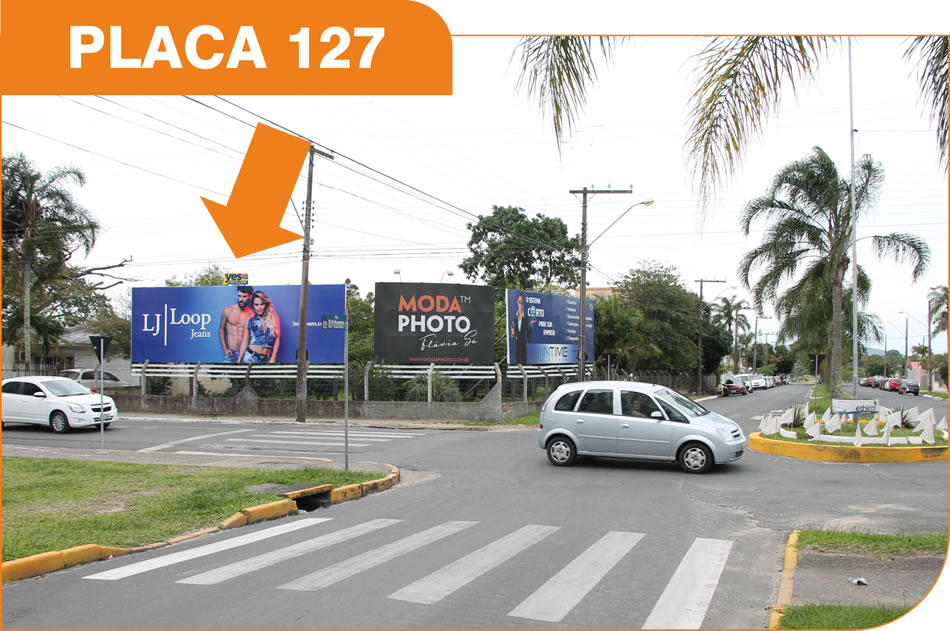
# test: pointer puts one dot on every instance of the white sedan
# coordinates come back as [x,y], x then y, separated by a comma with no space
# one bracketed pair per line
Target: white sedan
[59,402]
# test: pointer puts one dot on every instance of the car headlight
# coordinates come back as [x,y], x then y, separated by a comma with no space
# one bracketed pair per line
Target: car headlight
[75,407]
[725,433]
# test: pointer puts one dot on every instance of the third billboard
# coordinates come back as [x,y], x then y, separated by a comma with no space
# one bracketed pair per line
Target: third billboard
[544,329]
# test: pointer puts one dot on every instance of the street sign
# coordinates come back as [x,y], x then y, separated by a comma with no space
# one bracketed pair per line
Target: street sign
[854,406]
[100,344]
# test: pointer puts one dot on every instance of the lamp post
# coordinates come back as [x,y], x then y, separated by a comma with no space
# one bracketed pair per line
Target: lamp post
[930,376]
[585,248]
[398,273]
[928,338]
[448,273]
[755,338]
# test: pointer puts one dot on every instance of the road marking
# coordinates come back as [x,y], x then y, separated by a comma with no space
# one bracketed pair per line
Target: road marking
[293,442]
[285,554]
[194,438]
[361,434]
[684,602]
[302,438]
[555,599]
[454,576]
[194,553]
[345,569]
[215,453]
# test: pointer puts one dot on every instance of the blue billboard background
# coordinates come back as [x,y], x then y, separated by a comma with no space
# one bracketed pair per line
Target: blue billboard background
[549,331]
[181,324]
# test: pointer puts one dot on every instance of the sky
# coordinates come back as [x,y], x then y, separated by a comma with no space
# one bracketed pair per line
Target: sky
[149,159]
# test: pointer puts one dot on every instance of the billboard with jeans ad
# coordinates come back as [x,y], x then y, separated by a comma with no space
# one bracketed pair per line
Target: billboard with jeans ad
[544,329]
[246,325]
[422,323]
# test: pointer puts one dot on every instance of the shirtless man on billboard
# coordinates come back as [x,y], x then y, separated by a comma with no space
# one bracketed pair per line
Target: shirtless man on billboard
[234,324]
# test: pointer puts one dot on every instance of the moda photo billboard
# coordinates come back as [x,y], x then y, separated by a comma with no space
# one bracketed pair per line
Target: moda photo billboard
[422,323]
[250,325]
[545,329]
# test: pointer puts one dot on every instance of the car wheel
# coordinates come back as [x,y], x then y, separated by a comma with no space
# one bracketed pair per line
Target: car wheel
[695,458]
[59,423]
[561,451]
[916,394]
[106,425]
[745,392]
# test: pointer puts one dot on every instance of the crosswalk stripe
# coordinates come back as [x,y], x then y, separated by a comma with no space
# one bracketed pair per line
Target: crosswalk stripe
[555,599]
[454,576]
[684,602]
[192,439]
[261,561]
[194,553]
[345,569]
[293,442]
[338,433]
[306,438]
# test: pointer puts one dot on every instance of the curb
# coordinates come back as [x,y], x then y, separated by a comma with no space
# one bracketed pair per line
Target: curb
[47,562]
[787,584]
[845,453]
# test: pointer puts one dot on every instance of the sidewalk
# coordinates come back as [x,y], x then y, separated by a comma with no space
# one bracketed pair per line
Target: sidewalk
[320,422]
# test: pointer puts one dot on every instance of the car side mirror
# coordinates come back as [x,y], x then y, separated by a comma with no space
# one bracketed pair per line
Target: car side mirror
[656,414]
[39,395]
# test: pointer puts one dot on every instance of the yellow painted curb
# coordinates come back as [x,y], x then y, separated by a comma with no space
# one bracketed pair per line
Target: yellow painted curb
[234,521]
[845,453]
[346,493]
[32,566]
[313,490]
[271,510]
[787,584]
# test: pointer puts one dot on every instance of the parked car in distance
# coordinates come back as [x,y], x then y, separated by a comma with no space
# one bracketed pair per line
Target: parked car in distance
[747,380]
[89,377]
[628,419]
[891,385]
[58,402]
[758,382]
[733,386]
[909,386]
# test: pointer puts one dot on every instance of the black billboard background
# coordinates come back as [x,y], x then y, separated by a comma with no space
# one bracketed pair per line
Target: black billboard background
[439,323]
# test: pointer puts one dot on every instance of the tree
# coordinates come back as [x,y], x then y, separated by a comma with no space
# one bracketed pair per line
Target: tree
[740,84]
[43,226]
[670,314]
[728,313]
[511,251]
[361,322]
[938,308]
[810,220]
[619,331]
[212,275]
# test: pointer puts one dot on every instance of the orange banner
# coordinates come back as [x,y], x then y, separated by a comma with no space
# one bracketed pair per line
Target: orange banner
[218,47]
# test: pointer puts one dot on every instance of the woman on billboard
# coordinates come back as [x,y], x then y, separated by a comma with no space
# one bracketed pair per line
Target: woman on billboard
[263,339]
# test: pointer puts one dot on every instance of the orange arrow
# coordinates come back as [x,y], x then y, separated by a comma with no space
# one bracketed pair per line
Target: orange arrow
[251,221]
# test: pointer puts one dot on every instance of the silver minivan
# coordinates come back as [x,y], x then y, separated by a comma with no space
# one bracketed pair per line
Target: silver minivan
[628,419]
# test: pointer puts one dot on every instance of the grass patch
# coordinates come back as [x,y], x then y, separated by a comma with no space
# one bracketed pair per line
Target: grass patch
[53,504]
[884,547]
[939,395]
[838,617]
[528,420]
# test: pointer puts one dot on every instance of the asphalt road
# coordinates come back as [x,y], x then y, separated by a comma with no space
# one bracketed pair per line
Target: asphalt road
[484,533]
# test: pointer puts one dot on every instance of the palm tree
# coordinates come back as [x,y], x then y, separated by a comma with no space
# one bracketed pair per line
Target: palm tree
[938,308]
[42,227]
[740,81]
[728,314]
[618,331]
[810,222]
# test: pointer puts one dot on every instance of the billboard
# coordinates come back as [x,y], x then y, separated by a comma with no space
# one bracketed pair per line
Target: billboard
[544,329]
[230,325]
[422,323]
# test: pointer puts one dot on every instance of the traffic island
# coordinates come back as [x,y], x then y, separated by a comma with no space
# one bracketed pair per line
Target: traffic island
[846,453]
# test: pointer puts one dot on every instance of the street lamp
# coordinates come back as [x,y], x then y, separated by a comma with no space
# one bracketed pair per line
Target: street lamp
[585,248]
[928,339]
[448,273]
[755,338]
[397,272]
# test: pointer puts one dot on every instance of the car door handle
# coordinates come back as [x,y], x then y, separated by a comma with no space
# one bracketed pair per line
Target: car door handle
[580,422]
[626,426]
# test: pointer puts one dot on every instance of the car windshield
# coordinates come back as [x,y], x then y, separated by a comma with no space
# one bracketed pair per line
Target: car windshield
[688,406]
[65,387]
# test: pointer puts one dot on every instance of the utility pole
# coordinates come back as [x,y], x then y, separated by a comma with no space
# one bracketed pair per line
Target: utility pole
[930,375]
[582,348]
[755,340]
[302,359]
[906,362]
[699,343]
